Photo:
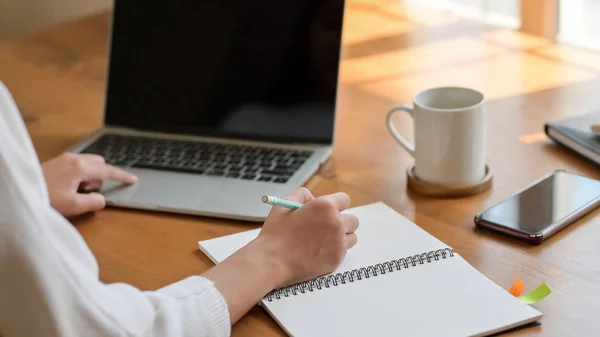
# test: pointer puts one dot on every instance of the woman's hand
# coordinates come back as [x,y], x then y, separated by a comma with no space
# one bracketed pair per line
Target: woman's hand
[68,174]
[293,246]
[312,240]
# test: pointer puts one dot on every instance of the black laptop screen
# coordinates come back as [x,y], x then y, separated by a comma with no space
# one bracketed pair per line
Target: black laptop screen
[259,69]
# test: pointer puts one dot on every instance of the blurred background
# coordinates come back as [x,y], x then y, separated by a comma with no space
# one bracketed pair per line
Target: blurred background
[25,16]
[574,22]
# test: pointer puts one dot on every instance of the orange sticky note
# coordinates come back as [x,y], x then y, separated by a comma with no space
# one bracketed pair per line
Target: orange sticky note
[517,287]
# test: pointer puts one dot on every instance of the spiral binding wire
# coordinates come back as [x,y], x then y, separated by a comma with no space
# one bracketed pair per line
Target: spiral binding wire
[358,274]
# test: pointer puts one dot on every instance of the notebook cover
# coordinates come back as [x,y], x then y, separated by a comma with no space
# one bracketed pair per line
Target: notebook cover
[577,129]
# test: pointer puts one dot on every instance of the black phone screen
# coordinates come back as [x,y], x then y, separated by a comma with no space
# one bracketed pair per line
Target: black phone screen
[544,203]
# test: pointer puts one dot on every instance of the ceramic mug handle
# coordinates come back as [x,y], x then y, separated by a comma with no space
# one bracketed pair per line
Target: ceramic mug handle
[403,142]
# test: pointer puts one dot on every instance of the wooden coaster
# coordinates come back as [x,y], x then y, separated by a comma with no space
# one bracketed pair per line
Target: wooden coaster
[445,191]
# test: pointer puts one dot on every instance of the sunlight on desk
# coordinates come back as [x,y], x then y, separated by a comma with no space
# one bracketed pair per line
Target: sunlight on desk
[413,60]
[421,15]
[514,39]
[571,55]
[533,138]
[362,26]
[501,77]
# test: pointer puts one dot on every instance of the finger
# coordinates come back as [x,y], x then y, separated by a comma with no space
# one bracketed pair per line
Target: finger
[89,186]
[94,184]
[350,240]
[91,202]
[350,222]
[95,171]
[301,195]
[340,200]
[92,158]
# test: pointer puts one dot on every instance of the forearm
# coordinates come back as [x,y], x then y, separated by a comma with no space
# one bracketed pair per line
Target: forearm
[246,277]
[57,293]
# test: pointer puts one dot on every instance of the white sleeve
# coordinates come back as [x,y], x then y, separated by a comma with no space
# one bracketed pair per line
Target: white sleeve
[49,283]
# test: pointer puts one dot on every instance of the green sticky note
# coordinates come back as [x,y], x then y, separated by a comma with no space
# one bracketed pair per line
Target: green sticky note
[536,295]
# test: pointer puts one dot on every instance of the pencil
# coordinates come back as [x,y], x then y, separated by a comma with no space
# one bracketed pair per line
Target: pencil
[280,202]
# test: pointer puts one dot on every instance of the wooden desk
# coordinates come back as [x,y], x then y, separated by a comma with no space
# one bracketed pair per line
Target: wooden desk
[57,78]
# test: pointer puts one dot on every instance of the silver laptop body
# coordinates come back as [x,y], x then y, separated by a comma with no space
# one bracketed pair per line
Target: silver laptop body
[213,107]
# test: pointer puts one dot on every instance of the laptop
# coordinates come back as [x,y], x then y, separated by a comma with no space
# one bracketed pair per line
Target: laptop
[213,104]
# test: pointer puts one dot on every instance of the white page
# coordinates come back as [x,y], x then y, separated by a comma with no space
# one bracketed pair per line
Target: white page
[383,234]
[442,298]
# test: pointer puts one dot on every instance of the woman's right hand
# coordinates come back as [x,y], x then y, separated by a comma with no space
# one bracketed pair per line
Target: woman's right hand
[293,246]
[310,241]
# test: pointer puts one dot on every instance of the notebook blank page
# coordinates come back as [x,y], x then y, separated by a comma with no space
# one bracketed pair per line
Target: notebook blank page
[442,298]
[447,297]
[383,234]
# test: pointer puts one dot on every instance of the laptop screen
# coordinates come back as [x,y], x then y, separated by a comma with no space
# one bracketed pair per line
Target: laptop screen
[260,69]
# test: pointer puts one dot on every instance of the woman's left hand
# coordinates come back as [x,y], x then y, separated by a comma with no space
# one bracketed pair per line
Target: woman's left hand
[69,174]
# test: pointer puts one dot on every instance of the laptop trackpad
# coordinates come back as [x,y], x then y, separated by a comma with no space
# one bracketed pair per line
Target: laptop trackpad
[161,188]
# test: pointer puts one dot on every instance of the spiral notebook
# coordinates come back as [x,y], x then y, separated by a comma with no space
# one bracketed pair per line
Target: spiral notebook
[397,281]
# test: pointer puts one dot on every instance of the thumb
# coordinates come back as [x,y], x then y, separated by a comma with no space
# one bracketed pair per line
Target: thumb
[301,195]
[90,202]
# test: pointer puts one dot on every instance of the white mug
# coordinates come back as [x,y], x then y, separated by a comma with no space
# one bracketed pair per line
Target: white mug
[449,128]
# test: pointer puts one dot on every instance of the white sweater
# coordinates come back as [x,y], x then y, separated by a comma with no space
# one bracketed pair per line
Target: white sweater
[49,282]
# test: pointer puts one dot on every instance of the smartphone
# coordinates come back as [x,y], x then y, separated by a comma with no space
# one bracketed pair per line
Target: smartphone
[542,208]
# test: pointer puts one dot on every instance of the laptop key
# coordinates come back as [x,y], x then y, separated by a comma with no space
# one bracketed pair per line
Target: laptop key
[201,166]
[188,166]
[277,172]
[166,163]
[265,178]
[167,168]
[216,173]
[283,168]
[281,180]
[144,165]
[236,165]
[249,176]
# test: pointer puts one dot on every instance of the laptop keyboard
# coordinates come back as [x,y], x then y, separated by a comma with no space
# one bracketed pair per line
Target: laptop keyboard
[210,159]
